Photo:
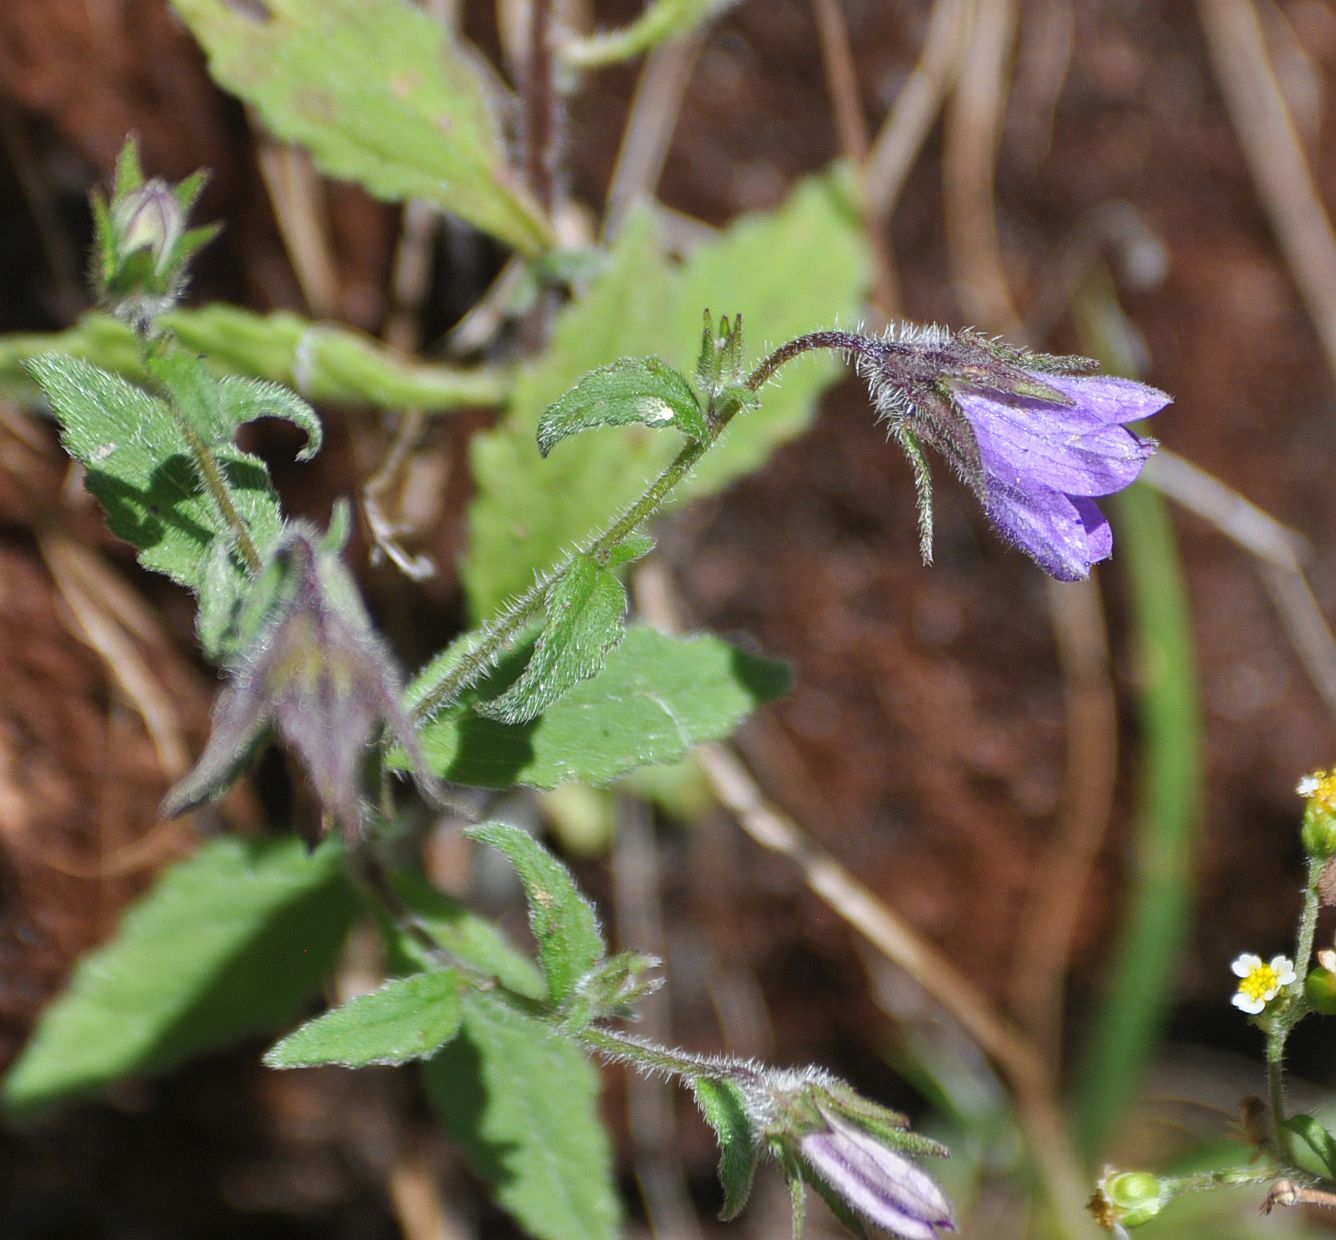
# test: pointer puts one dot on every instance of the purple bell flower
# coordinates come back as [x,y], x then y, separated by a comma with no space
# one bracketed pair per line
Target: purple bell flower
[880,1183]
[1042,462]
[1035,438]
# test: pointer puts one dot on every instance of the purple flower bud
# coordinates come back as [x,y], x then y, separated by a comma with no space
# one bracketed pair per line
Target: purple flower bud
[880,1183]
[1033,439]
[318,673]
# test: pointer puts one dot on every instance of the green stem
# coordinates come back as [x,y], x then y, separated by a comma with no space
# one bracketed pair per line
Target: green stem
[215,483]
[1307,924]
[649,1057]
[1275,1082]
[1296,1010]
[498,635]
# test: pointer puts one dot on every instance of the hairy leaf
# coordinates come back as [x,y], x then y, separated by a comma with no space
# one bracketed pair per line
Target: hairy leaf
[1318,1152]
[523,1102]
[656,698]
[405,1019]
[788,271]
[140,467]
[462,934]
[216,408]
[585,606]
[725,1110]
[380,93]
[231,941]
[562,920]
[632,390]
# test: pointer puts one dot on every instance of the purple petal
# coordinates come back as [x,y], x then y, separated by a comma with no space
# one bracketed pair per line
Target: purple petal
[1097,529]
[1027,442]
[1064,536]
[878,1182]
[1109,398]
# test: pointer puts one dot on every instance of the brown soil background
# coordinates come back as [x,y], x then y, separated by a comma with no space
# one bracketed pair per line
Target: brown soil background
[925,740]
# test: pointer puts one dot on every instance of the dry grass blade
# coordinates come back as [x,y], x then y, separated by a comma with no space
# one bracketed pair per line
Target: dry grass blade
[973,130]
[649,126]
[906,126]
[1275,155]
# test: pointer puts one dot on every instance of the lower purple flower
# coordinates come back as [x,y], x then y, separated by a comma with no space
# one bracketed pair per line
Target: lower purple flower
[880,1183]
[1042,461]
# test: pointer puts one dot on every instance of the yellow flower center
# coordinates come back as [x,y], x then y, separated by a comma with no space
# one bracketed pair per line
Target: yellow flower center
[1320,786]
[1262,981]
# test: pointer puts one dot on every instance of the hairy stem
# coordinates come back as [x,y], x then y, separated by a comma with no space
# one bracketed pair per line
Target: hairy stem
[211,474]
[649,1057]
[501,632]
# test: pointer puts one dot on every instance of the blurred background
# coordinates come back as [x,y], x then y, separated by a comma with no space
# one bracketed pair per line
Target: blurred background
[1082,796]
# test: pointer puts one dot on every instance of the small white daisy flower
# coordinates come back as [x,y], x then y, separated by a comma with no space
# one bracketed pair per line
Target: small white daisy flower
[1261,982]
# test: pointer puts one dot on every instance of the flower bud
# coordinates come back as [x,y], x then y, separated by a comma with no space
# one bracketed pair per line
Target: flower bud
[1128,1199]
[1320,990]
[148,220]
[1318,832]
[316,672]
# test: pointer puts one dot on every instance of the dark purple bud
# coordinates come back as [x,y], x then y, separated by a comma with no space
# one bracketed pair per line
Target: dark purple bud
[317,673]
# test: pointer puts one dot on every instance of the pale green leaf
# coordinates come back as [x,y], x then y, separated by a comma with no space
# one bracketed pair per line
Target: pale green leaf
[662,20]
[523,1102]
[585,607]
[232,941]
[562,920]
[656,698]
[407,1018]
[631,390]
[139,465]
[322,361]
[461,934]
[380,93]
[789,271]
[725,1110]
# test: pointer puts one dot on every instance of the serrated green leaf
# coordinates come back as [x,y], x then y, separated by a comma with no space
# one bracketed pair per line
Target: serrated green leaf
[725,1110]
[1318,1144]
[379,93]
[585,607]
[562,920]
[789,271]
[407,1018]
[231,941]
[630,549]
[656,698]
[462,934]
[523,1102]
[644,390]
[217,408]
[139,465]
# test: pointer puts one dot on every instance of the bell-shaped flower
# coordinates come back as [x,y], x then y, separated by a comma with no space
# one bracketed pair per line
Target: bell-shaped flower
[1035,437]
[880,1183]
[316,672]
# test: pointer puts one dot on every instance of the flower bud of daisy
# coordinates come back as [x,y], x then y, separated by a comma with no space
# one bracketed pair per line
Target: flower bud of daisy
[1318,831]
[1128,1199]
[1320,990]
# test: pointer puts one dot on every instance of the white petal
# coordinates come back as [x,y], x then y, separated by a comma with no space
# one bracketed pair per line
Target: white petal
[1245,964]
[1246,1004]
